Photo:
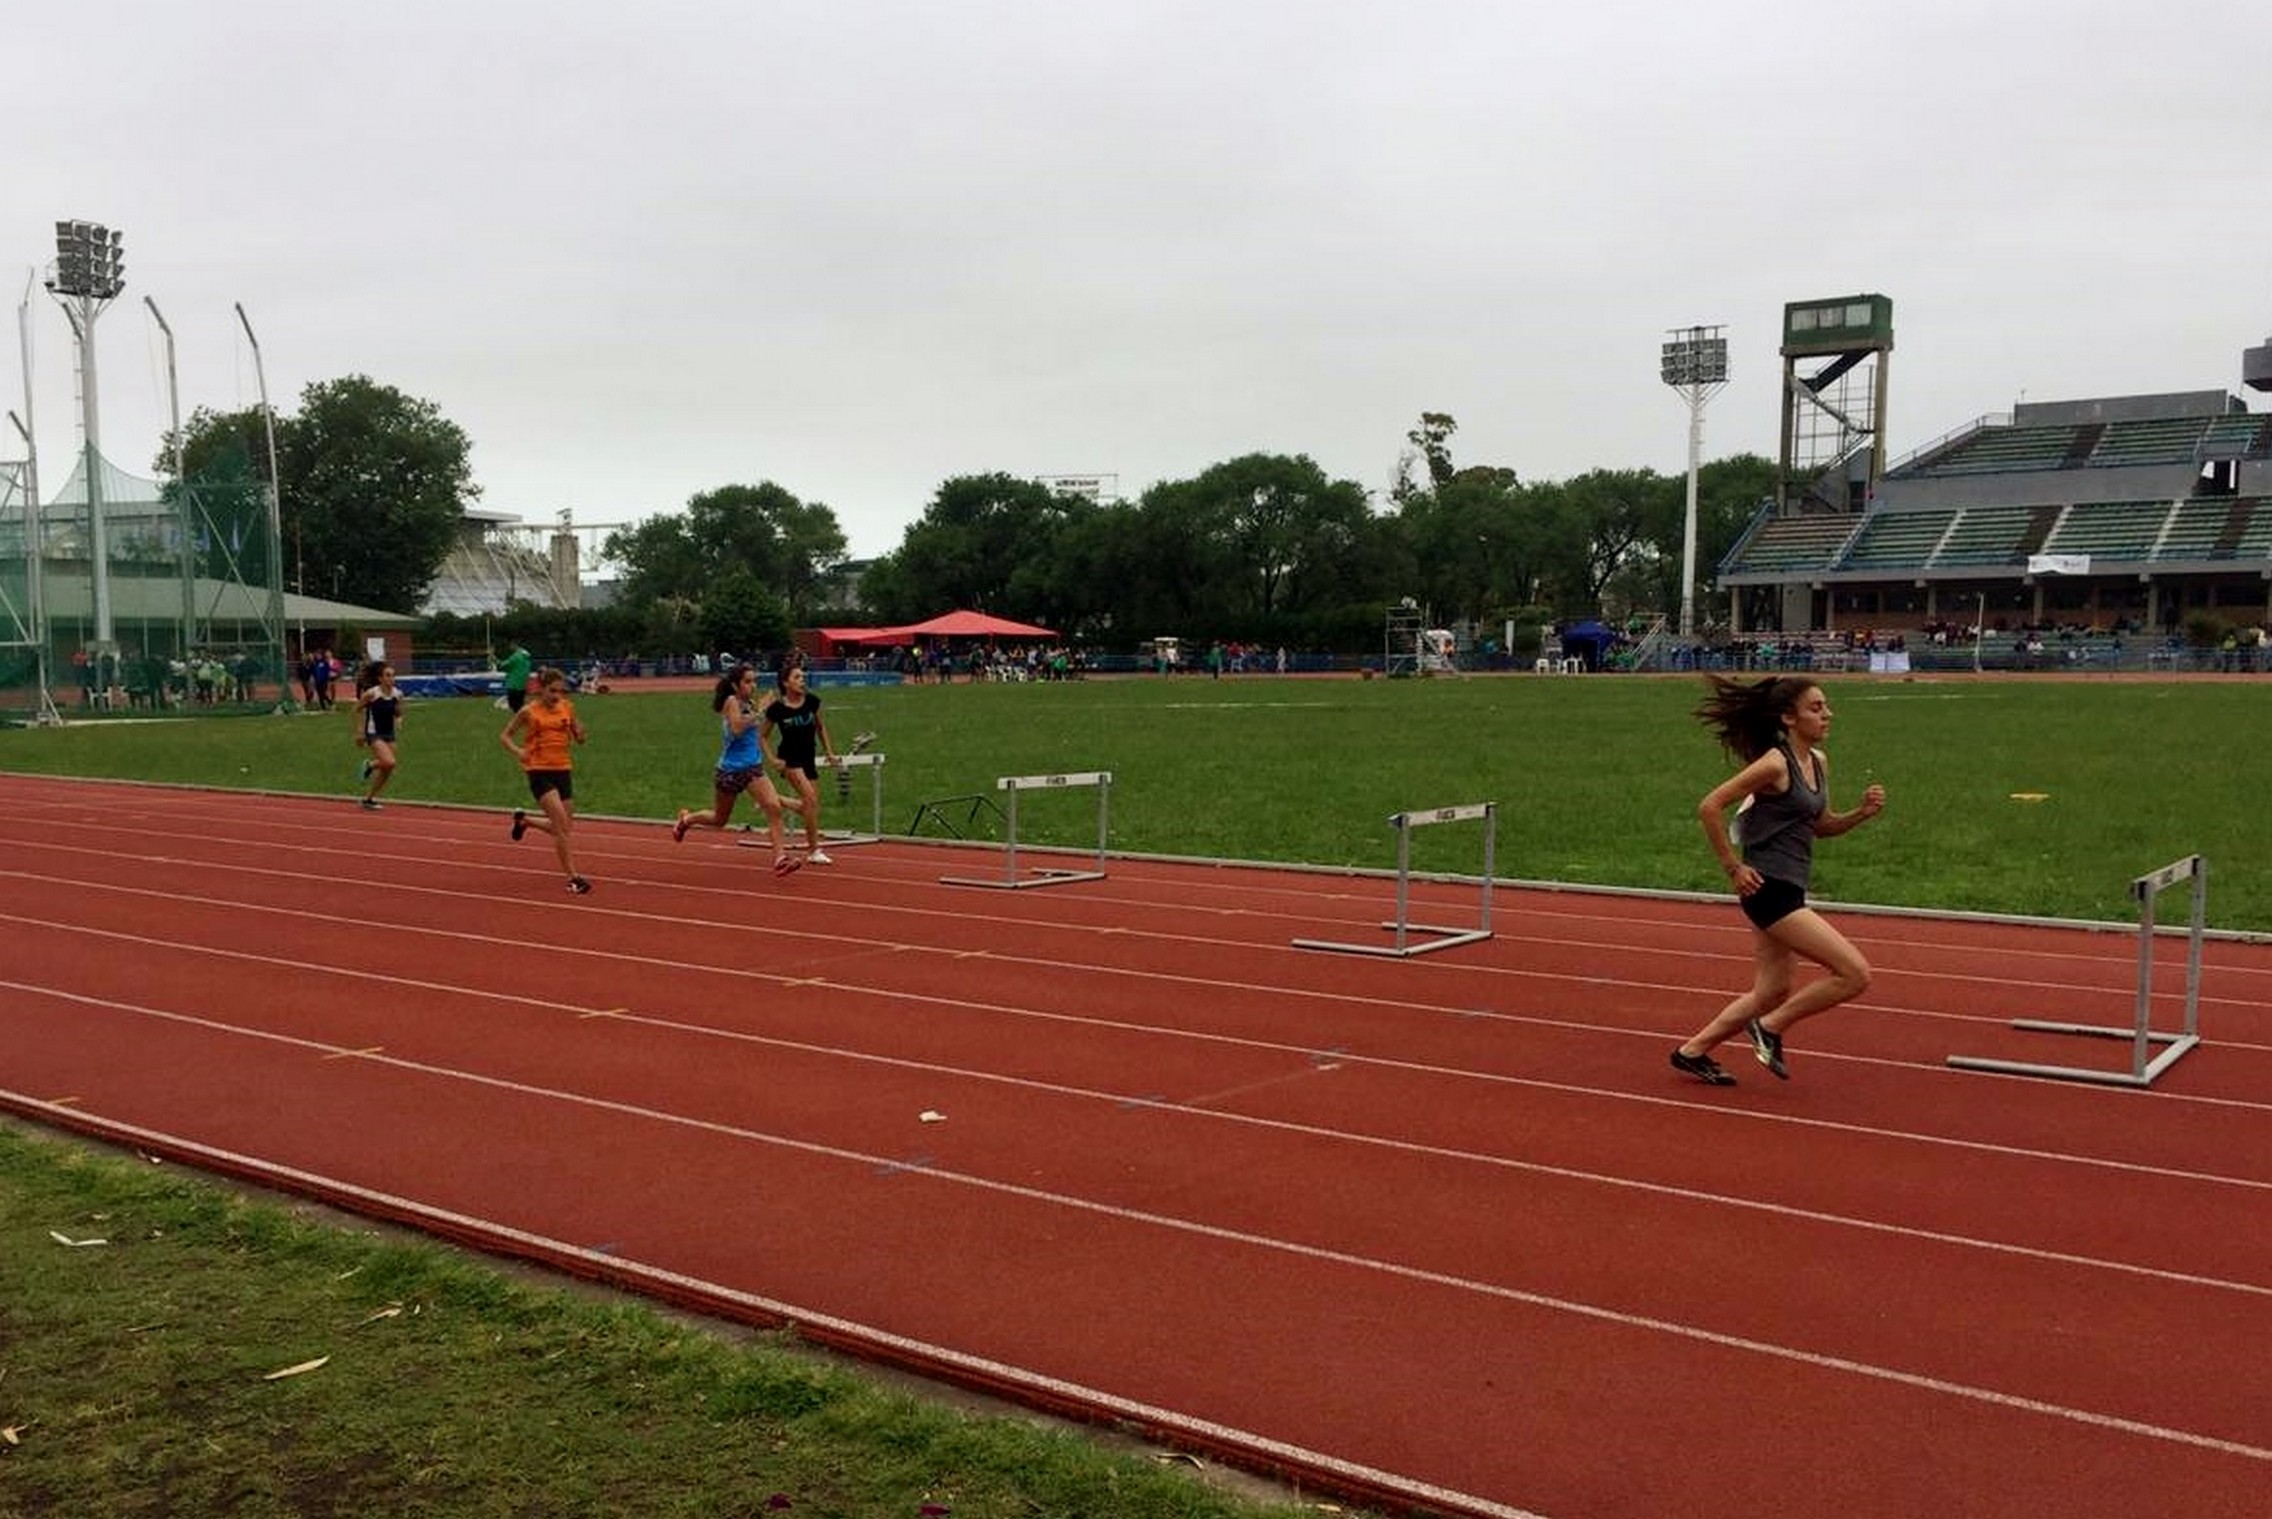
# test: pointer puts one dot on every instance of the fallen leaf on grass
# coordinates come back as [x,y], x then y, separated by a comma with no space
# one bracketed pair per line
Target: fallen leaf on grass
[1165,1456]
[293,1371]
[13,1433]
[65,1239]
[391,1311]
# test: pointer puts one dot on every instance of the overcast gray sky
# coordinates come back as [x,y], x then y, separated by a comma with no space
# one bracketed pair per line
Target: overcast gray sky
[856,247]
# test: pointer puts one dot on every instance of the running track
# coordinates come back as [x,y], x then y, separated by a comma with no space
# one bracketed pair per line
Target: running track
[1444,1232]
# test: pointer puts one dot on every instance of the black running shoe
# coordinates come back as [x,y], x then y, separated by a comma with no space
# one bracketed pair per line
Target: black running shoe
[578,886]
[1769,1048]
[520,824]
[1704,1068]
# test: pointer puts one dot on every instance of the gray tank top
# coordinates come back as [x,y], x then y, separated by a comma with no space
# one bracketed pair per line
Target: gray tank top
[1777,829]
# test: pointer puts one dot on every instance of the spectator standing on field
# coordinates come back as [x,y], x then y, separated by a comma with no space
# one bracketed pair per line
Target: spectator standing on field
[515,670]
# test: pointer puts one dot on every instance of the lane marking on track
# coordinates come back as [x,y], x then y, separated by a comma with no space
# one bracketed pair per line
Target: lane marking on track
[353,1054]
[1231,1041]
[2115,957]
[664,1282]
[1412,1147]
[1938,1386]
[1218,984]
[1126,1101]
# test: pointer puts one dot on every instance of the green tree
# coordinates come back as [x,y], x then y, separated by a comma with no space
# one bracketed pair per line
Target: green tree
[374,485]
[740,614]
[1270,536]
[787,545]
[662,564]
[985,541]
[1429,442]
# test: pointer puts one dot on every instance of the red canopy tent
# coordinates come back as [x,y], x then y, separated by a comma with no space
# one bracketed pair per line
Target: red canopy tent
[959,624]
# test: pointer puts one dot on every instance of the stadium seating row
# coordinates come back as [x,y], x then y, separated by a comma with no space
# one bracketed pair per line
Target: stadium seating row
[2129,532]
[2175,440]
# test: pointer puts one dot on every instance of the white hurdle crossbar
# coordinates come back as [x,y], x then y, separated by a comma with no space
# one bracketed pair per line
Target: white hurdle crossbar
[1445,938]
[1010,880]
[2141,1033]
[844,764]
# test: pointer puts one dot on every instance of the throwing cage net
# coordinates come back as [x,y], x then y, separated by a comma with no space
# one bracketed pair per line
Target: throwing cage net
[183,611]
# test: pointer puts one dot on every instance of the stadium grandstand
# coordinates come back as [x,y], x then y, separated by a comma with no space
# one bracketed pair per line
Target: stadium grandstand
[499,562]
[2123,527]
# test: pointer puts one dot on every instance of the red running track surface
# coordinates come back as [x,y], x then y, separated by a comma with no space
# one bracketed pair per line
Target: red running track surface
[1444,1231]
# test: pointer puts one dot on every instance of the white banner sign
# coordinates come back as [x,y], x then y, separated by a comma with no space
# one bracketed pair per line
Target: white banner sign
[2058,564]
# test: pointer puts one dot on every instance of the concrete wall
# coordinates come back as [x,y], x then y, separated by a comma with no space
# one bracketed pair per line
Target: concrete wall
[2154,408]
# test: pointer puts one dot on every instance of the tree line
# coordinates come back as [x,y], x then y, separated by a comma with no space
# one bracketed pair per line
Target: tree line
[1265,548]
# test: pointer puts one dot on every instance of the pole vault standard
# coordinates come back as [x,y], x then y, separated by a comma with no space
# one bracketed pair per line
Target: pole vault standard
[2141,1033]
[1404,822]
[1010,880]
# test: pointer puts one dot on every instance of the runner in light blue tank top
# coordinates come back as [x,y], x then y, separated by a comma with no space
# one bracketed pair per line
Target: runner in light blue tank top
[741,768]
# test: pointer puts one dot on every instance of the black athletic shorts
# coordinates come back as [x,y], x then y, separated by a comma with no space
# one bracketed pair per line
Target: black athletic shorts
[1774,901]
[562,781]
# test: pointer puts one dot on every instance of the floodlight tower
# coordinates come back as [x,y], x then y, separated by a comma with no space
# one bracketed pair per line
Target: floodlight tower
[90,270]
[1694,362]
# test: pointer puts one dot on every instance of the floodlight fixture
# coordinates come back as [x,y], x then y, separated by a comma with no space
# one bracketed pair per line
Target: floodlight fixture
[1694,361]
[90,261]
[90,270]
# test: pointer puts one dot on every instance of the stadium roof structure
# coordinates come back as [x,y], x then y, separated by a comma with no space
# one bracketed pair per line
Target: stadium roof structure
[2139,485]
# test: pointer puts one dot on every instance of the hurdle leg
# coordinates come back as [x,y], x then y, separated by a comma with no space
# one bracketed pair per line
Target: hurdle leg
[1011,879]
[1010,851]
[1405,944]
[2141,1034]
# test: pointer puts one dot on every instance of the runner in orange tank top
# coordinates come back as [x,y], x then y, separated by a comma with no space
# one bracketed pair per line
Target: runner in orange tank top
[539,736]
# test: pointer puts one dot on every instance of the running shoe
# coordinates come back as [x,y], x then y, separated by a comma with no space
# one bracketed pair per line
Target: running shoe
[1704,1068]
[818,857]
[788,864]
[1768,1046]
[578,886]
[366,769]
[678,829]
[370,804]
[520,824]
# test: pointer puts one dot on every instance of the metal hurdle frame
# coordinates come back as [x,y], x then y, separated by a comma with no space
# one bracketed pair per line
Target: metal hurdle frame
[1010,880]
[1405,946]
[874,765]
[2141,1034]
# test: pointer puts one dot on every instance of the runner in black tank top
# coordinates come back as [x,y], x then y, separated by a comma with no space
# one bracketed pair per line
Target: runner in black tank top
[378,716]
[1777,727]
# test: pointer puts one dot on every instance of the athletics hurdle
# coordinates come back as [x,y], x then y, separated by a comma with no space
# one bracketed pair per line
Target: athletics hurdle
[2141,1034]
[1010,879]
[1404,823]
[843,765]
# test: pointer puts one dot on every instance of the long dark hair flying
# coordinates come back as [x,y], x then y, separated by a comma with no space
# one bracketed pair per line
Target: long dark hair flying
[1748,714]
[725,688]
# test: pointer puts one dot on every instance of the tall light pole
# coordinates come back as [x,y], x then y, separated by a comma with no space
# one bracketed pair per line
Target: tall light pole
[35,547]
[275,523]
[182,506]
[1695,363]
[90,270]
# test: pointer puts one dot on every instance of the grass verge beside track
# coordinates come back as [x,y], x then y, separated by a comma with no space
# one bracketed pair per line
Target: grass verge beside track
[140,1375]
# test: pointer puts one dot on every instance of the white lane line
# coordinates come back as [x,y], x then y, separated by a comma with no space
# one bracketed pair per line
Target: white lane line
[1199,1229]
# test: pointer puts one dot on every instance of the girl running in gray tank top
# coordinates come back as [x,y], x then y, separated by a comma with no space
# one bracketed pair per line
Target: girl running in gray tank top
[1776,727]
